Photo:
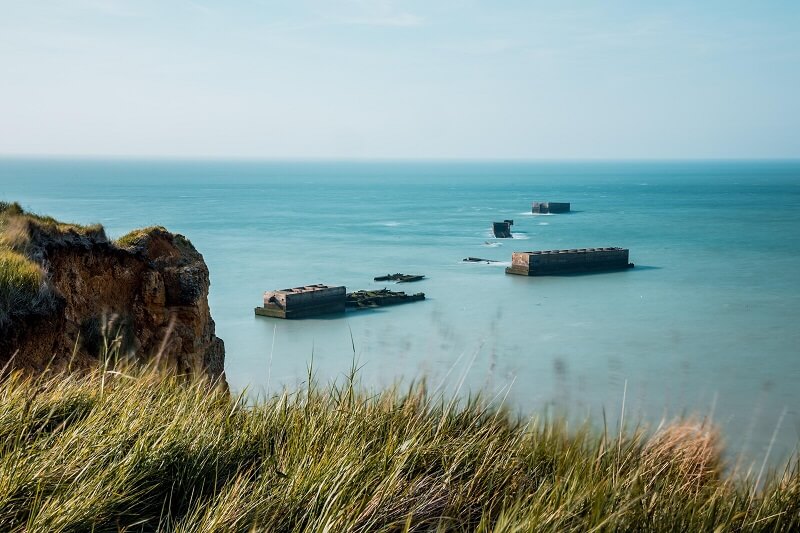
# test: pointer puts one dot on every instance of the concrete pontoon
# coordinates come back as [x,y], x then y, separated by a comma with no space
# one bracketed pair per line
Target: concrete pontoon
[548,262]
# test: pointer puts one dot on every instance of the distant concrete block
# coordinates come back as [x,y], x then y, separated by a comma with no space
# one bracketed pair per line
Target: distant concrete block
[550,207]
[502,230]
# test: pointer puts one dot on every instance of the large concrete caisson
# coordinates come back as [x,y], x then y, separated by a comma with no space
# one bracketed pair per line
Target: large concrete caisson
[548,262]
[550,207]
[299,302]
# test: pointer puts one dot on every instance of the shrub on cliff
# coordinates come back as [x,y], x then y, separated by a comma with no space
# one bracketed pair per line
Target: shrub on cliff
[133,449]
[137,236]
[21,285]
[22,282]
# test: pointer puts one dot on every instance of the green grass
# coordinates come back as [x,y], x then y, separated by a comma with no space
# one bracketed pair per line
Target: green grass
[17,270]
[20,283]
[136,449]
[135,237]
[20,278]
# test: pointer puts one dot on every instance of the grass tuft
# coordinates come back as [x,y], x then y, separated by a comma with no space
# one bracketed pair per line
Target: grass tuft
[19,271]
[10,209]
[21,283]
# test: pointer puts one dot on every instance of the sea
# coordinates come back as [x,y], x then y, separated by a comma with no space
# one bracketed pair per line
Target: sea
[705,327]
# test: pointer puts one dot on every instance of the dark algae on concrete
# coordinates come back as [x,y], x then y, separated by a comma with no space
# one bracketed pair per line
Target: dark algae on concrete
[400,278]
[380,298]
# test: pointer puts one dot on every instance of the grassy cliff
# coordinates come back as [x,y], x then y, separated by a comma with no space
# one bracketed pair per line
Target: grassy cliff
[137,449]
[63,285]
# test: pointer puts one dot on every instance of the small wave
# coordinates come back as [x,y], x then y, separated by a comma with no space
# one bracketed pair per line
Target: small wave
[385,223]
[520,236]
[543,224]
[492,244]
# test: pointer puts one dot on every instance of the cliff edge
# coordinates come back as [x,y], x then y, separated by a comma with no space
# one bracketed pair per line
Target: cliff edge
[68,295]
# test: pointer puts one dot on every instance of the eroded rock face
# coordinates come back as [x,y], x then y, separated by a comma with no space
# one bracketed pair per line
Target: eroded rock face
[148,294]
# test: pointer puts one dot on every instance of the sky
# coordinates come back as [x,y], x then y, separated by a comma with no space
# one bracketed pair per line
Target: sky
[352,79]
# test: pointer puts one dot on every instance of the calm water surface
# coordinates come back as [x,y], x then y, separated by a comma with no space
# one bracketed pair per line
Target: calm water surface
[706,323]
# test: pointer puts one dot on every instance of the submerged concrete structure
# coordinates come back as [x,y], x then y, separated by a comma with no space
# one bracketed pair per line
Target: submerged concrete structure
[400,278]
[478,260]
[550,262]
[502,230]
[381,298]
[299,302]
[550,207]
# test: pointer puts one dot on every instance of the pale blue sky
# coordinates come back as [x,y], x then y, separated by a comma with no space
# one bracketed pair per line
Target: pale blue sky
[395,79]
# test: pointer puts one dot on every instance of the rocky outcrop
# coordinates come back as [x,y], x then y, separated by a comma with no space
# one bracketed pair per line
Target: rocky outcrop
[144,296]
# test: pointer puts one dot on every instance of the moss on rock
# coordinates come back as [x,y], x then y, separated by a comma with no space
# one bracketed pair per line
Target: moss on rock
[137,236]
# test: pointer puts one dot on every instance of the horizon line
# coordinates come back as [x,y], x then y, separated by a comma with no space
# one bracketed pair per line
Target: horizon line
[386,159]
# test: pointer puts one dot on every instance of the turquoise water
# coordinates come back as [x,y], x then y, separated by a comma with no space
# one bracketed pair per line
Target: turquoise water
[706,323]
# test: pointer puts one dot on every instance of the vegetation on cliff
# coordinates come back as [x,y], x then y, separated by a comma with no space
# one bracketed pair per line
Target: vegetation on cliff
[136,449]
[22,284]
[9,210]
[20,281]
[137,236]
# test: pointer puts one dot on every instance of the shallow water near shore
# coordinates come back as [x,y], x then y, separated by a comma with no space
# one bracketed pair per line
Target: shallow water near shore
[706,323]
